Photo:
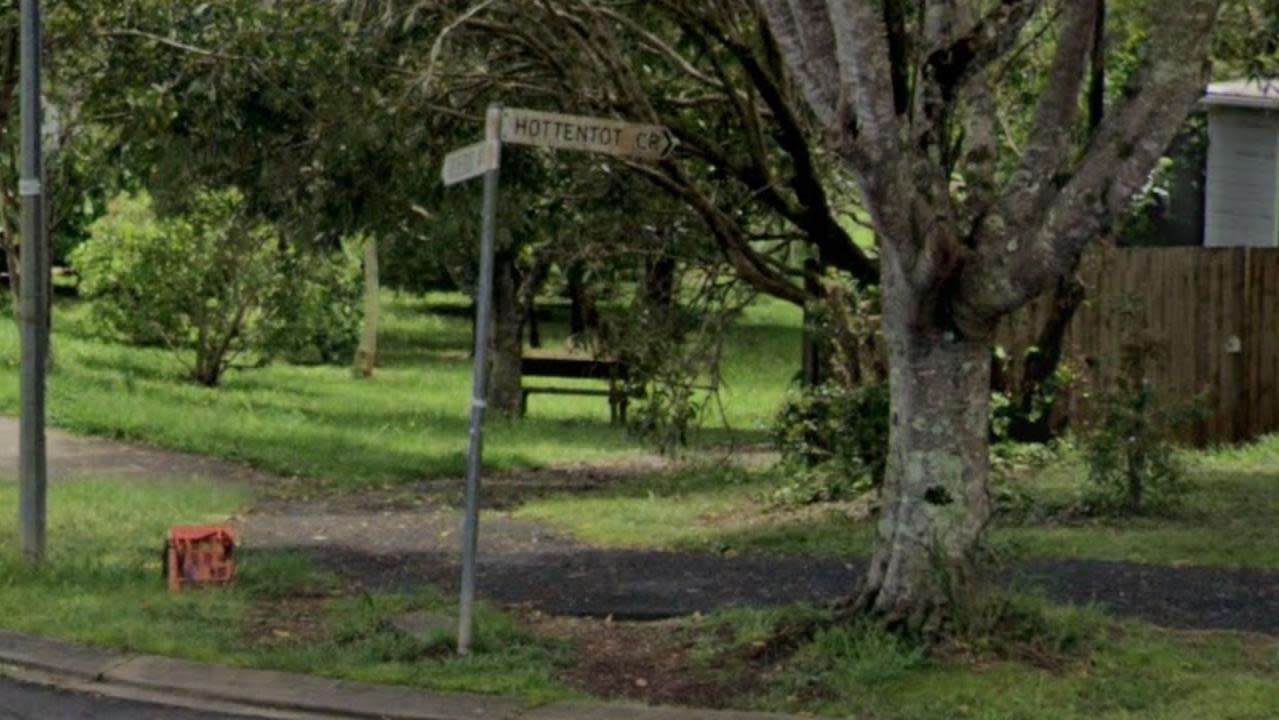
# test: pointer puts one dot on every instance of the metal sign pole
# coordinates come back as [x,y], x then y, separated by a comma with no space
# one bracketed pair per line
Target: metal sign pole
[32,460]
[484,304]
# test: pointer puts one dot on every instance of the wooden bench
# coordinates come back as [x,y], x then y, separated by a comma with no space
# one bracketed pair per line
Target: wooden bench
[615,372]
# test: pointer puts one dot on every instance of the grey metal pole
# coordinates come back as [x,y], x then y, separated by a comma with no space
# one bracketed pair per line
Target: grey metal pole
[483,318]
[32,460]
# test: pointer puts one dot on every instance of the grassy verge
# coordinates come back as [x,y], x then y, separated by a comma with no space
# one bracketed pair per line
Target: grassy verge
[1227,520]
[103,586]
[408,423]
[1072,665]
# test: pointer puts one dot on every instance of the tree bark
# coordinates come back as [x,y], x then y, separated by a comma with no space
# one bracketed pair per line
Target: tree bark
[1031,424]
[813,356]
[659,283]
[583,317]
[366,355]
[936,502]
[534,327]
[508,338]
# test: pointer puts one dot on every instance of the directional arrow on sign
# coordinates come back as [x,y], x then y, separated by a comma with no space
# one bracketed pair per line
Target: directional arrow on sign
[597,135]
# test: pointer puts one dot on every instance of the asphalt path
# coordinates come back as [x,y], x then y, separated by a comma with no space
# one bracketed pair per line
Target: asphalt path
[19,701]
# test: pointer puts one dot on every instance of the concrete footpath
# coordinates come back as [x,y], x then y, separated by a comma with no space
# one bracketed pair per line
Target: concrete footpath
[278,694]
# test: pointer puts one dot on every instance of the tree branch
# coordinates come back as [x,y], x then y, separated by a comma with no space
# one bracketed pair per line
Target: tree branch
[1114,167]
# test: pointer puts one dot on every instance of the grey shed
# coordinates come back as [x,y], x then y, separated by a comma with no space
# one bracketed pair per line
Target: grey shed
[1243,164]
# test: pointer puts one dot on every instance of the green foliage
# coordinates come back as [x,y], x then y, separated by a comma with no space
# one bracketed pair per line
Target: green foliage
[675,351]
[197,283]
[833,440]
[214,284]
[1132,465]
[672,409]
[317,311]
[1007,414]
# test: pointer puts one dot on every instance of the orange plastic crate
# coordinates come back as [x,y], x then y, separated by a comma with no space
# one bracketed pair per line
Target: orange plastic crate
[200,555]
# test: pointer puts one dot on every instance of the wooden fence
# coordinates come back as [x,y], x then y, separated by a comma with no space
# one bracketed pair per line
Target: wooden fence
[1213,314]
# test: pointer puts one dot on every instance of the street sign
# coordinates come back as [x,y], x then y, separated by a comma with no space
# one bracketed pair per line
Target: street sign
[471,162]
[539,129]
[597,135]
[487,158]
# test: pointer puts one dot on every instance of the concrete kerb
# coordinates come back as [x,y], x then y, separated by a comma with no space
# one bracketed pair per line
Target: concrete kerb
[306,693]
[55,656]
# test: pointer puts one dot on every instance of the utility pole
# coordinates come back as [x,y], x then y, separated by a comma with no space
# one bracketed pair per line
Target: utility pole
[32,458]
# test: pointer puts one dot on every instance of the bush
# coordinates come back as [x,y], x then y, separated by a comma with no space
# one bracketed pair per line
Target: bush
[1132,464]
[674,353]
[196,283]
[317,313]
[214,285]
[833,441]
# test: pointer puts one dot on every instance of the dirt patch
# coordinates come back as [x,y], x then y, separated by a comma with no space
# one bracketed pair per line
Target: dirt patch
[640,662]
[287,622]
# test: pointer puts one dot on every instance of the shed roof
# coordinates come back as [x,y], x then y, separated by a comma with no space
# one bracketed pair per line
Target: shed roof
[1256,94]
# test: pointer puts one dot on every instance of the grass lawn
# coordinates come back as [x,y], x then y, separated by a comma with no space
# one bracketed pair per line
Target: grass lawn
[408,423]
[103,586]
[1229,517]
[1073,664]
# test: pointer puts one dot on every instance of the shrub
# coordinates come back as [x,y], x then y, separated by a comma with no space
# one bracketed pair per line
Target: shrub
[674,353]
[214,285]
[1132,464]
[833,441]
[197,283]
[316,313]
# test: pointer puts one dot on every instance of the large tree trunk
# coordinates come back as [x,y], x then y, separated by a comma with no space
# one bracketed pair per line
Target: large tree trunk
[366,355]
[508,338]
[936,501]
[583,317]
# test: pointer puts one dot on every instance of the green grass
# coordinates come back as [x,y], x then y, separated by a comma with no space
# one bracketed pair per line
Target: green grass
[103,586]
[1148,675]
[675,510]
[1075,665]
[1228,519]
[408,423]
[353,639]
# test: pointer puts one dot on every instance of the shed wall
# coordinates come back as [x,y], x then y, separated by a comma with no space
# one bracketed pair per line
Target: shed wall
[1243,170]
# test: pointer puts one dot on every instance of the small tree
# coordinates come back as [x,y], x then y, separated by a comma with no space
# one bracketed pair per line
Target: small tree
[1132,464]
[197,283]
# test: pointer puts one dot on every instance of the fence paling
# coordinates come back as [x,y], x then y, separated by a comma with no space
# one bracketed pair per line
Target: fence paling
[1215,312]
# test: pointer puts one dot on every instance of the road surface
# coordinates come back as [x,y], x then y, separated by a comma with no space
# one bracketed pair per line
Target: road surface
[29,702]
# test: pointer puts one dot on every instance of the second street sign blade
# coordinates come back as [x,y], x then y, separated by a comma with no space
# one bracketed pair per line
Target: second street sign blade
[471,162]
[597,135]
